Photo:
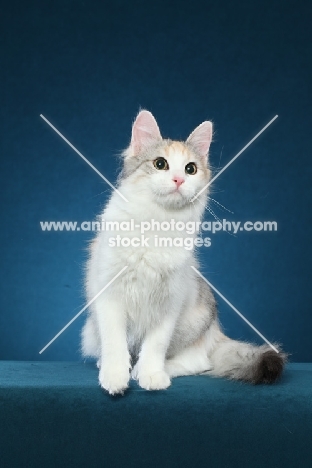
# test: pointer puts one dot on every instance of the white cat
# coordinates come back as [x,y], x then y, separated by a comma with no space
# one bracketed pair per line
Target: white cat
[159,317]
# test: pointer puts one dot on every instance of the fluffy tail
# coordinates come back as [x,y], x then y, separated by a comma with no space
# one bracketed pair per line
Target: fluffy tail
[244,361]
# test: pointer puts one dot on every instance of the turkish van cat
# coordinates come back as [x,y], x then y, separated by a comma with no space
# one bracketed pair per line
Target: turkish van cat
[153,317]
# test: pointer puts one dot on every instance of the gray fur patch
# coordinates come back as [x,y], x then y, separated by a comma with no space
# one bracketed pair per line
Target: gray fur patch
[206,297]
[132,164]
[189,330]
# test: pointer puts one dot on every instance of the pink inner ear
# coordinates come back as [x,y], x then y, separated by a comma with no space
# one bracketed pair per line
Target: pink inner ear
[201,138]
[145,131]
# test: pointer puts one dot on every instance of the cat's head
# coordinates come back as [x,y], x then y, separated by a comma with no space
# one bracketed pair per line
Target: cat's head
[169,172]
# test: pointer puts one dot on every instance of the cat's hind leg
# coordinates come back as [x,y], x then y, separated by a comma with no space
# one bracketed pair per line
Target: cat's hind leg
[189,361]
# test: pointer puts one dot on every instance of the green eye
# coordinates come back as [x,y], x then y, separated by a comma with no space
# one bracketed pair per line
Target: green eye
[161,164]
[191,168]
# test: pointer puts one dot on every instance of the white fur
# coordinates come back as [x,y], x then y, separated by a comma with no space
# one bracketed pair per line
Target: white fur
[139,300]
[152,312]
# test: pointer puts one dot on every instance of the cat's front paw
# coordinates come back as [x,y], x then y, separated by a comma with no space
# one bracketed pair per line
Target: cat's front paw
[114,381]
[157,381]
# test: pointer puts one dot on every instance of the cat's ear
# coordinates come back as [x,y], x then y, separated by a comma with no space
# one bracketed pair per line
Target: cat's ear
[145,132]
[200,139]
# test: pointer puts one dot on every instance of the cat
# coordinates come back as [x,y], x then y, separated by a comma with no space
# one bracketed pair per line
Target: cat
[158,319]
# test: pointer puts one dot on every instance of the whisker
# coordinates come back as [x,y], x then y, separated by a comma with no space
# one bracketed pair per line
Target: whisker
[221,155]
[219,204]
[216,217]
[213,213]
[99,194]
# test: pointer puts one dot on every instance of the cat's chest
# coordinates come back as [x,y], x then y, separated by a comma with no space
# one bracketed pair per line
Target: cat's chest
[152,254]
[146,293]
[148,273]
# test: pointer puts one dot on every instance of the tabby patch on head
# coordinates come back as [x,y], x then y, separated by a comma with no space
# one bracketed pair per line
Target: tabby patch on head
[173,172]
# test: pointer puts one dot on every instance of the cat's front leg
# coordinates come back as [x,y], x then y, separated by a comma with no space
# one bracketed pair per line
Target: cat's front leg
[149,371]
[114,363]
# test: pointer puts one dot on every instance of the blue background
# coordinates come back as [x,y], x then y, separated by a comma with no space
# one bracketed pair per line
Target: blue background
[89,67]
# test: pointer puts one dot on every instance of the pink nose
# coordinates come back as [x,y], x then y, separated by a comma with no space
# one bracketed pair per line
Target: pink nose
[178,180]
